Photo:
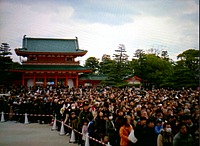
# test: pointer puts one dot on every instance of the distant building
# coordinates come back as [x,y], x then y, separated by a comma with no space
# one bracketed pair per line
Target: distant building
[50,62]
[91,80]
[135,81]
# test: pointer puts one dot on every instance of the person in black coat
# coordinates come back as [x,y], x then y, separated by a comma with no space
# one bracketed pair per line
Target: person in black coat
[140,132]
[150,137]
[92,130]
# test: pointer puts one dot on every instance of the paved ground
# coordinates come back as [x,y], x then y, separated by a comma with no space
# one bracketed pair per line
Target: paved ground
[19,134]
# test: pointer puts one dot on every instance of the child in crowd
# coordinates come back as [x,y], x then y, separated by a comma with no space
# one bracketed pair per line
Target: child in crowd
[84,131]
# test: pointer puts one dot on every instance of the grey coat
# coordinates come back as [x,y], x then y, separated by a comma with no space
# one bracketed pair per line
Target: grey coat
[183,140]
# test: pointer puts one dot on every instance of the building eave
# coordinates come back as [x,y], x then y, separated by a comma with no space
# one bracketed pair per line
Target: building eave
[23,53]
[51,68]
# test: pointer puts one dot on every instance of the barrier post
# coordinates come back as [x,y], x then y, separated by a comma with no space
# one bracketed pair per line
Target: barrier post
[2,117]
[54,124]
[26,119]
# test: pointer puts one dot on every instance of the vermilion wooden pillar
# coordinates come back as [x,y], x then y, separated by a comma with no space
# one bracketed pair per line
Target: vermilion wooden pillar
[56,79]
[66,80]
[45,80]
[22,79]
[77,80]
[34,79]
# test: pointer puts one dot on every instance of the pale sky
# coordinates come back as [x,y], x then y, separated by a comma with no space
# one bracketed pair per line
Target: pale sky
[101,25]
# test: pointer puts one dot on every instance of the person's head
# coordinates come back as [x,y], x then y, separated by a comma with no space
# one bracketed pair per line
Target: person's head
[159,114]
[182,128]
[81,107]
[85,122]
[131,103]
[167,127]
[123,109]
[187,112]
[106,139]
[73,114]
[105,106]
[144,113]
[127,120]
[150,123]
[120,113]
[149,111]
[169,111]
[159,122]
[85,106]
[100,114]
[105,116]
[180,112]
[171,118]
[188,119]
[110,117]
[143,120]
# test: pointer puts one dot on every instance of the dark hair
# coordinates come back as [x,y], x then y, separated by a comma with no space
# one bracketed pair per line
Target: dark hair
[165,124]
[181,125]
[158,120]
[124,122]
[179,109]
[143,107]
[149,121]
[143,118]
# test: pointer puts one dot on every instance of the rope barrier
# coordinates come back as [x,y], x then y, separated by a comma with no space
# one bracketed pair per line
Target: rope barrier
[43,115]
[100,142]
[37,115]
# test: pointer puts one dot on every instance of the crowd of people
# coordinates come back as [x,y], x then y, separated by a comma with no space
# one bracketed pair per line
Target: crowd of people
[156,117]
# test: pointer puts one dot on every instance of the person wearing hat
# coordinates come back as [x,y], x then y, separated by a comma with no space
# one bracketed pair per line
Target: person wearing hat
[173,122]
[158,126]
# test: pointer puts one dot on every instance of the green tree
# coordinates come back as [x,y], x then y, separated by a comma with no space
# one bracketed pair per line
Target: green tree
[5,59]
[139,53]
[5,50]
[106,64]
[6,64]
[151,68]
[92,63]
[119,69]
[189,59]
[186,70]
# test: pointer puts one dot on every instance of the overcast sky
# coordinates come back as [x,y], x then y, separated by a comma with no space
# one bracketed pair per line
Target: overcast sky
[101,25]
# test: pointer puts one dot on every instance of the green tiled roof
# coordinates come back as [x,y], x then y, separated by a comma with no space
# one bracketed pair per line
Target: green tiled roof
[50,45]
[92,77]
[50,67]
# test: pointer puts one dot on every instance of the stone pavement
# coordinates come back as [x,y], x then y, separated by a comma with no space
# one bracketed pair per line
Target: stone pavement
[34,134]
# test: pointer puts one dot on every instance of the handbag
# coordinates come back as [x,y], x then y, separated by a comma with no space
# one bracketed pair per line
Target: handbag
[132,137]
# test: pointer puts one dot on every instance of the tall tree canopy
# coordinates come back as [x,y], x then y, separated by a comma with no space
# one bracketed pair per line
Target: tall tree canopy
[92,63]
[155,71]
[6,63]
